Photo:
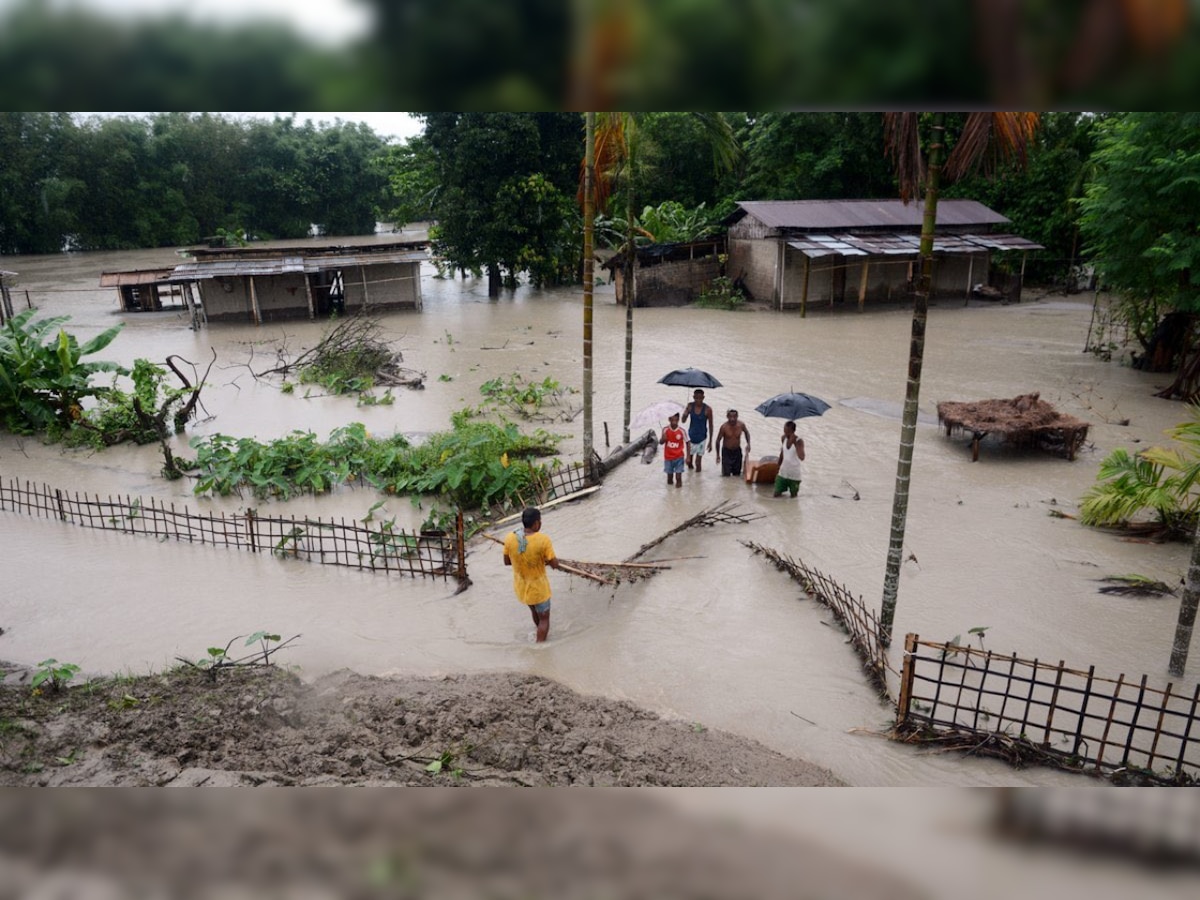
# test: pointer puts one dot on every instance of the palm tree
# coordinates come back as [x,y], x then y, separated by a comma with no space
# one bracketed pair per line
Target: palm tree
[589,174]
[987,141]
[617,152]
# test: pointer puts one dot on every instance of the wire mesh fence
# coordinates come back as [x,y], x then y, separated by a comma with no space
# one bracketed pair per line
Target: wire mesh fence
[1034,711]
[331,542]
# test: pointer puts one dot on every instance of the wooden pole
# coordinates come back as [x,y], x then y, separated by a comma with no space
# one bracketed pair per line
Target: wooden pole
[804,290]
[862,285]
[255,311]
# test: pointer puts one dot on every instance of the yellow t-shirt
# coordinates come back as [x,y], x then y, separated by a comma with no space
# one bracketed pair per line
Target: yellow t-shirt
[529,568]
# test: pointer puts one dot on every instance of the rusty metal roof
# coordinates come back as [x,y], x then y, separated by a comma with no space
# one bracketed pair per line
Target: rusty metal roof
[833,215]
[893,244]
[137,276]
[286,265]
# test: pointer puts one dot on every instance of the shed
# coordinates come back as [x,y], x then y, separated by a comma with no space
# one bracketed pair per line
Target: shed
[6,307]
[282,280]
[795,253]
[668,274]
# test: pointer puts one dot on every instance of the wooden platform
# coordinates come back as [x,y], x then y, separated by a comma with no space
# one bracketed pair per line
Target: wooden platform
[1024,421]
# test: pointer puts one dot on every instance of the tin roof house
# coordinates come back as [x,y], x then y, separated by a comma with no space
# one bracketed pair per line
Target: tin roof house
[798,253]
[278,280]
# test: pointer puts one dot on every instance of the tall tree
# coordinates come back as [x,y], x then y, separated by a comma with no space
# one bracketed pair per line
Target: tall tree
[987,140]
[589,175]
[1139,222]
[485,162]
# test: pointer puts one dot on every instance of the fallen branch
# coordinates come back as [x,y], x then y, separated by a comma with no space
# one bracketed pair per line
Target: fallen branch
[721,514]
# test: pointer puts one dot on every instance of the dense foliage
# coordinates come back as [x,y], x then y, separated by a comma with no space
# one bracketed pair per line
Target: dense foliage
[473,465]
[43,376]
[177,178]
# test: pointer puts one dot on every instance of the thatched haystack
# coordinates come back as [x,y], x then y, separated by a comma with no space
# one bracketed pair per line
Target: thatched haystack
[1024,421]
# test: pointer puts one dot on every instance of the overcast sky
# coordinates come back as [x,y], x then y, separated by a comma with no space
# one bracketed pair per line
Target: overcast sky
[329,22]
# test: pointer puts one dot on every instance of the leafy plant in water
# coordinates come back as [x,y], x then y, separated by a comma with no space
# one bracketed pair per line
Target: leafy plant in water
[57,674]
[43,377]
[721,293]
[1161,481]
[525,398]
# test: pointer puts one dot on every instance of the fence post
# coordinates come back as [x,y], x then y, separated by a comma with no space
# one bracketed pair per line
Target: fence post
[58,500]
[460,542]
[907,673]
[250,530]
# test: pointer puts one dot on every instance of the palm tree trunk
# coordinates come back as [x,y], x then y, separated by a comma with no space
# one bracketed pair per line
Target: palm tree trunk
[589,175]
[916,356]
[627,288]
[1187,613]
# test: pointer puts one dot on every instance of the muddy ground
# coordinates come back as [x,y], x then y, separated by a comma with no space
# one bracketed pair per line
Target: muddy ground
[265,726]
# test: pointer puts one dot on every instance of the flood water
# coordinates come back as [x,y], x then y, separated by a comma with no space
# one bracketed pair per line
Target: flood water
[721,639]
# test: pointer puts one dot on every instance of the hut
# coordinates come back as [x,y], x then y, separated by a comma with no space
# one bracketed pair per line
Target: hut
[798,253]
[1023,421]
[668,274]
[281,280]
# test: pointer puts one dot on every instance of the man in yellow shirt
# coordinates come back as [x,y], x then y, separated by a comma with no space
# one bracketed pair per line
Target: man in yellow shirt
[529,551]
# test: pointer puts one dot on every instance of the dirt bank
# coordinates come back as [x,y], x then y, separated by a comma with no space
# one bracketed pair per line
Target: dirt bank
[264,726]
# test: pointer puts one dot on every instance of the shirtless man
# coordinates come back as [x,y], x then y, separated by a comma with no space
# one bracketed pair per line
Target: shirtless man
[729,438]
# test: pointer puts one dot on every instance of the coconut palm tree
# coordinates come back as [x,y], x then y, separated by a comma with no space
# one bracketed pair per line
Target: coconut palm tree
[617,153]
[986,142]
[589,175]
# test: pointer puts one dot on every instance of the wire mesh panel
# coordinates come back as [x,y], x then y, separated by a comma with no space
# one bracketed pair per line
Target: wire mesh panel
[380,549]
[1031,710]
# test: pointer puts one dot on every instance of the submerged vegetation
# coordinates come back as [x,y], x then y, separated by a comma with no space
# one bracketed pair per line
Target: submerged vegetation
[1154,490]
[474,465]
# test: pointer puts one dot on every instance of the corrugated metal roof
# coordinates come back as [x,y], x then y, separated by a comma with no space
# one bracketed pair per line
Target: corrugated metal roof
[838,214]
[137,276]
[890,244]
[233,268]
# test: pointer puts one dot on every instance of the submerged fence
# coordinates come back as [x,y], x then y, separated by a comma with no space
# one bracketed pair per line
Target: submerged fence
[1033,711]
[860,623]
[326,541]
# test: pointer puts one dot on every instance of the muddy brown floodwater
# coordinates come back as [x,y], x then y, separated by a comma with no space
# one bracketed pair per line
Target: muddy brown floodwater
[721,639]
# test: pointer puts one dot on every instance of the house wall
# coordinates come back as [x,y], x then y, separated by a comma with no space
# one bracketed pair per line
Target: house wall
[754,258]
[390,286]
[754,262]
[887,278]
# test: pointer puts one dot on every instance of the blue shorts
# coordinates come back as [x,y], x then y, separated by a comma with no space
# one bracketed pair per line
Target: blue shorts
[540,608]
[673,466]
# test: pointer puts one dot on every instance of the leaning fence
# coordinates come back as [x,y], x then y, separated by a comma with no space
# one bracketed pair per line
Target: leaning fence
[331,542]
[1033,711]
[860,623]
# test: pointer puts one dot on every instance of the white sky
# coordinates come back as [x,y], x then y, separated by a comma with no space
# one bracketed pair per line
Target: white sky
[398,125]
[329,22]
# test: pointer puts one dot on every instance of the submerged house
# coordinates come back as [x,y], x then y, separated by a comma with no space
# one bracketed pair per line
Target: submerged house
[279,280]
[797,253]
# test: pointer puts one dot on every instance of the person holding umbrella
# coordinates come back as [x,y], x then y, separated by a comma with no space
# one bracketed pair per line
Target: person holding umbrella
[791,452]
[700,428]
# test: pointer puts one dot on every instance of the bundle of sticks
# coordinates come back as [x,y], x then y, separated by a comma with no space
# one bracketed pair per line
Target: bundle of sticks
[604,572]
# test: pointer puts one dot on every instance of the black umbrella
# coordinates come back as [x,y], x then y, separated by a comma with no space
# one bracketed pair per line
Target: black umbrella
[697,378]
[792,405]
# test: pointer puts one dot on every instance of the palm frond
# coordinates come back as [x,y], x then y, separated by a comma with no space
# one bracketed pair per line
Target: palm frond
[991,140]
[902,142]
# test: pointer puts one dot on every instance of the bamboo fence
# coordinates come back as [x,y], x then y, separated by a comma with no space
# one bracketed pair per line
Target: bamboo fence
[1034,711]
[860,623]
[325,541]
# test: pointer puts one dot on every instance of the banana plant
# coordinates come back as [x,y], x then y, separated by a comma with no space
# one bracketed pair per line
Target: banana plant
[43,377]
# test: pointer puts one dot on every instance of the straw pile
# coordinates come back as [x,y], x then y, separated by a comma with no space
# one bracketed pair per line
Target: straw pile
[1025,421]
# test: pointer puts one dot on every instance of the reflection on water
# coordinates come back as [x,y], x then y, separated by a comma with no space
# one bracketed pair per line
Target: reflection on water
[721,638]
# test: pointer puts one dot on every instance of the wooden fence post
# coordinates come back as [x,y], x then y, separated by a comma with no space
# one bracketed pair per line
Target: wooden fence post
[907,673]
[460,542]
[250,530]
[58,500]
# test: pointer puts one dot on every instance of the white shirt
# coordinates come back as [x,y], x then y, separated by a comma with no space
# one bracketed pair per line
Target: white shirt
[790,469]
